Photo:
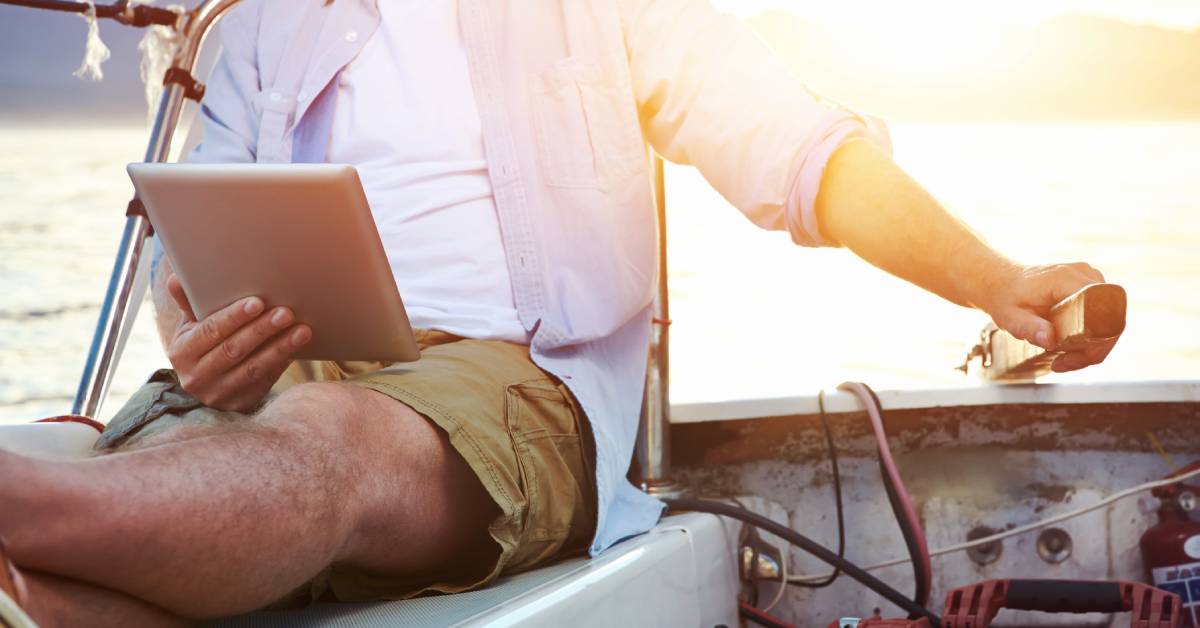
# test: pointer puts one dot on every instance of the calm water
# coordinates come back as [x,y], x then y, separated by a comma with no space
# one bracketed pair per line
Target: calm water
[754,316]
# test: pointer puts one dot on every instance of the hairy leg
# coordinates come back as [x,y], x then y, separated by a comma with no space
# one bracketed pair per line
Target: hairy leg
[232,520]
[52,602]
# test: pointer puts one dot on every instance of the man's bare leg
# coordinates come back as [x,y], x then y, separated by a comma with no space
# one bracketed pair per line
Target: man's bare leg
[53,601]
[230,521]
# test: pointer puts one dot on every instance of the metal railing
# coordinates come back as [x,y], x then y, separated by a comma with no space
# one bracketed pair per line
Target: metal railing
[651,470]
[127,284]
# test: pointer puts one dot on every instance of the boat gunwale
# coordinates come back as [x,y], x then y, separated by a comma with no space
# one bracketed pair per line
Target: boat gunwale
[838,402]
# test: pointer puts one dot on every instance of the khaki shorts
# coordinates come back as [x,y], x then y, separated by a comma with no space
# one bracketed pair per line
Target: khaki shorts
[519,429]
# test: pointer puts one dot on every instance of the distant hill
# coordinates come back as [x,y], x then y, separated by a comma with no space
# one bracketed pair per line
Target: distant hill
[1071,67]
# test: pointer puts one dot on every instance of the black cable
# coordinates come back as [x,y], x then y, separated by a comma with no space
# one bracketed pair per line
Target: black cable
[808,545]
[837,498]
[138,15]
[921,578]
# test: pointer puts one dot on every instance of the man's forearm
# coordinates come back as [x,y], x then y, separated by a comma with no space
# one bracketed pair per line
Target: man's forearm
[872,207]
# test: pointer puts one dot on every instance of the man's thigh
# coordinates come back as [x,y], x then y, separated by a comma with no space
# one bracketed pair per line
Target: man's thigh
[421,505]
[418,507]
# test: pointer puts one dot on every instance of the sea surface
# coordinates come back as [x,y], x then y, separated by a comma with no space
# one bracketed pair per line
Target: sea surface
[753,315]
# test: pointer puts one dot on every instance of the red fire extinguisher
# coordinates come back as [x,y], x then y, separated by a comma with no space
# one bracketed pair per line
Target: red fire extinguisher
[1171,548]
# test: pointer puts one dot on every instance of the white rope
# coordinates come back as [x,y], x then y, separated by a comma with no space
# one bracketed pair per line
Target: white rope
[158,52]
[157,47]
[95,52]
[1020,529]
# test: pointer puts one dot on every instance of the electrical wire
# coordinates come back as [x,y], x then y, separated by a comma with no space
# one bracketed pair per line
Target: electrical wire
[898,497]
[808,545]
[752,540]
[837,498]
[783,578]
[1029,527]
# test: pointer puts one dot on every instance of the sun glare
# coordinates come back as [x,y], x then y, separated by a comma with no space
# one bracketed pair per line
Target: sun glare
[916,42]
[1175,14]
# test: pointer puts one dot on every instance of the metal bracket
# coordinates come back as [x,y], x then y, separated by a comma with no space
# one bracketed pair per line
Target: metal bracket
[136,208]
[982,350]
[192,88]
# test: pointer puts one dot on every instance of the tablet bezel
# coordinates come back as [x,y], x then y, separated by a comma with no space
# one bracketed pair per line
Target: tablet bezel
[299,235]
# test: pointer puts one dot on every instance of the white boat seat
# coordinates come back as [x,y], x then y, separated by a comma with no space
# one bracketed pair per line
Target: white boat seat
[49,440]
[681,573]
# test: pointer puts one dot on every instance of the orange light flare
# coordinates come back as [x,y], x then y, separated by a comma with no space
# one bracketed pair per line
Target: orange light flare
[922,39]
[914,44]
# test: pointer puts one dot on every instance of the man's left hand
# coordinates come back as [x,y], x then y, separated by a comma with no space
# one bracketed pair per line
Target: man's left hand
[1019,302]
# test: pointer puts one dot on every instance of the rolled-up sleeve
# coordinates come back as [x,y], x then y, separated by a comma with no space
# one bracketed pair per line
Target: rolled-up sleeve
[711,94]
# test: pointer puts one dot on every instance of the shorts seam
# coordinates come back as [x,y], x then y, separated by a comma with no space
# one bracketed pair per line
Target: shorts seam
[542,388]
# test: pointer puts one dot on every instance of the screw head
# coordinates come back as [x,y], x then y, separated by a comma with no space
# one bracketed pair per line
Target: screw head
[1054,545]
[987,553]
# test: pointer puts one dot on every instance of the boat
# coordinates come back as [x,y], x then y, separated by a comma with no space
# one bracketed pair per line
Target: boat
[1004,482]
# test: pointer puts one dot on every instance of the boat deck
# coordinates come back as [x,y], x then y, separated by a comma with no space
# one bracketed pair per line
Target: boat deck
[680,574]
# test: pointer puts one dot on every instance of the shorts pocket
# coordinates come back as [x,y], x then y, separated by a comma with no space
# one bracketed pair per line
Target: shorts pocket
[542,424]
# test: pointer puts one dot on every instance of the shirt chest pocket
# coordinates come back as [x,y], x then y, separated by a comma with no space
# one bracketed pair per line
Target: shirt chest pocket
[584,125]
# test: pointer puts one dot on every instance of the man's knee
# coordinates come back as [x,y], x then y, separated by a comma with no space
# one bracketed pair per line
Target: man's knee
[350,417]
[322,410]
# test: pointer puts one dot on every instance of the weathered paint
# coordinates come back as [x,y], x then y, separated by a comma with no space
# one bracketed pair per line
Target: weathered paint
[999,466]
[798,438]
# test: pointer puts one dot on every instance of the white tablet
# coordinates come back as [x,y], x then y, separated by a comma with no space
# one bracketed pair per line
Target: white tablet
[299,235]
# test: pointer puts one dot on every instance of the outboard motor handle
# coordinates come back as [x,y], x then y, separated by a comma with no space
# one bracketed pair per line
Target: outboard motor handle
[1094,314]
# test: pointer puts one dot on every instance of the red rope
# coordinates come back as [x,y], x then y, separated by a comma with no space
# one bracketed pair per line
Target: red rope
[761,617]
[74,418]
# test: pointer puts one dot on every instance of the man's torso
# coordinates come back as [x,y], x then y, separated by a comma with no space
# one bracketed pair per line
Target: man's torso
[406,116]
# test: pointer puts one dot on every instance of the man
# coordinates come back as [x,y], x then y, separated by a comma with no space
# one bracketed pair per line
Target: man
[502,147]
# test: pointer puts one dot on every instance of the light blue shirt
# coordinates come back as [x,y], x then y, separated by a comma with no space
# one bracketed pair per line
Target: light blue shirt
[570,93]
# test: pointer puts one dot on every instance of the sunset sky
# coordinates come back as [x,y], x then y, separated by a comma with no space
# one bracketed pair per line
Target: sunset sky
[1177,14]
[920,36]
[869,53]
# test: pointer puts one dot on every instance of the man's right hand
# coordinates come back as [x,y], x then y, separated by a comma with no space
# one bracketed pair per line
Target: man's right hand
[230,360]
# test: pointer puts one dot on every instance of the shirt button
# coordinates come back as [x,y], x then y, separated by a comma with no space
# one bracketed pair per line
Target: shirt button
[301,96]
[276,97]
[351,36]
